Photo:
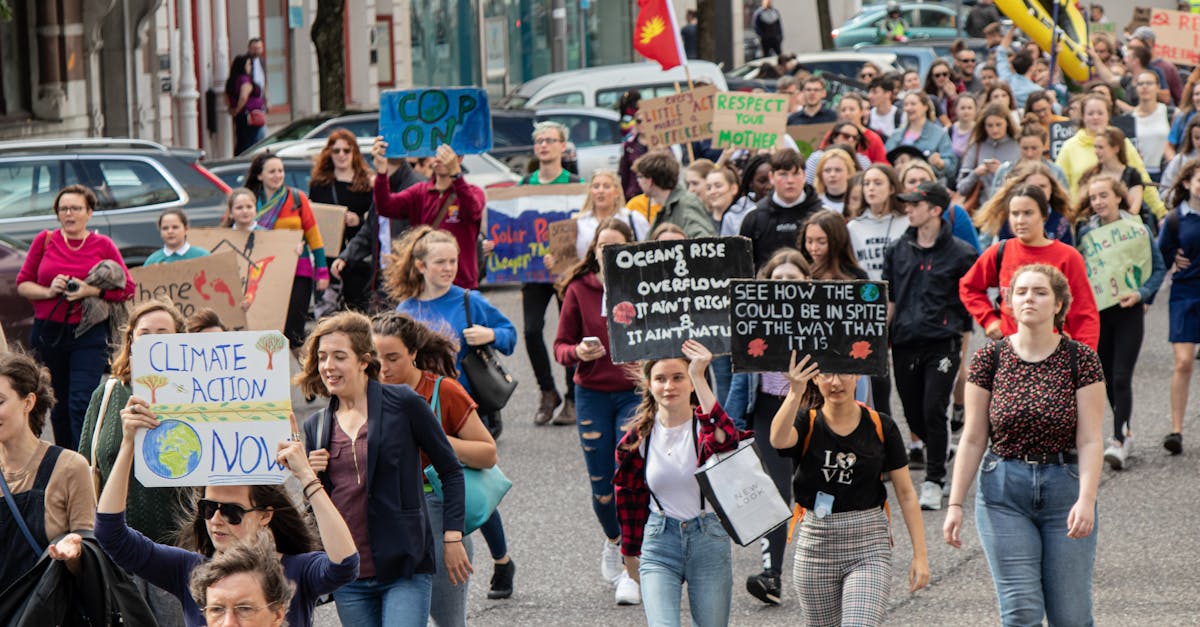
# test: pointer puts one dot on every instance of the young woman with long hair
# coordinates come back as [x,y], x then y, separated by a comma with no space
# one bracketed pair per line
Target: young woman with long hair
[1112,160]
[665,522]
[1151,123]
[992,217]
[924,133]
[1035,404]
[605,394]
[825,244]
[410,354]
[882,221]
[1189,150]
[966,112]
[1034,143]
[243,95]
[388,427]
[723,203]
[1000,93]
[834,170]
[341,176]
[1179,242]
[993,143]
[1078,154]
[943,90]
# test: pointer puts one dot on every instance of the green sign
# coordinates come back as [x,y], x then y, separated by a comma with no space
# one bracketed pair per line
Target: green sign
[1118,260]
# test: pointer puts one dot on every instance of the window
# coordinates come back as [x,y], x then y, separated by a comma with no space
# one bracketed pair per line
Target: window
[275,40]
[571,98]
[368,127]
[587,131]
[125,183]
[15,64]
[508,131]
[383,50]
[28,188]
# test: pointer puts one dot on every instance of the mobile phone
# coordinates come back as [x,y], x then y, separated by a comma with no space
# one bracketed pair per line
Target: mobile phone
[591,340]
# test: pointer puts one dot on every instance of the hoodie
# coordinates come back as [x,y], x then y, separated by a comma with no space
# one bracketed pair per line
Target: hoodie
[731,221]
[1078,155]
[774,225]
[870,235]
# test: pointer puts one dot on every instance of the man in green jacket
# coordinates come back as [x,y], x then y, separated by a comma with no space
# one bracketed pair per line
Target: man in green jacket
[658,175]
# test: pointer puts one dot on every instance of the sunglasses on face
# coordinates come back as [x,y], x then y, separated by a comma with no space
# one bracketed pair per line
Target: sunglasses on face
[231,512]
[941,74]
[340,151]
[967,60]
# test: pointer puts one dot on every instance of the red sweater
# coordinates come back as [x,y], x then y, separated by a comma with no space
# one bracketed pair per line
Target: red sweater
[1083,320]
[421,203]
[875,150]
[581,317]
[49,257]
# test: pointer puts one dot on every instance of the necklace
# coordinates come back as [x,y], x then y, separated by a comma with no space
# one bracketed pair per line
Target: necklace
[23,471]
[86,235]
[672,437]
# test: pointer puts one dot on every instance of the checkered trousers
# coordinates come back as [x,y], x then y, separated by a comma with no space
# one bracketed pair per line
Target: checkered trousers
[843,568]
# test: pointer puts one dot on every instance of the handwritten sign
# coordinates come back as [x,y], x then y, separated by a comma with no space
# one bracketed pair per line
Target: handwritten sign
[266,263]
[331,222]
[842,324]
[563,235]
[211,281]
[745,120]
[518,221]
[416,121]
[679,118]
[808,136]
[223,400]
[1118,260]
[658,294]
[1060,132]
[1176,36]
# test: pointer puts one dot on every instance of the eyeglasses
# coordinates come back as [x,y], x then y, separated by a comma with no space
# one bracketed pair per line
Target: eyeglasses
[828,378]
[231,512]
[941,74]
[547,140]
[72,209]
[866,76]
[340,151]
[215,614]
[967,60]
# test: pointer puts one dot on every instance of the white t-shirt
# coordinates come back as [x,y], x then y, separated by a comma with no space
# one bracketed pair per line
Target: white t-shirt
[1152,132]
[885,123]
[670,471]
[585,228]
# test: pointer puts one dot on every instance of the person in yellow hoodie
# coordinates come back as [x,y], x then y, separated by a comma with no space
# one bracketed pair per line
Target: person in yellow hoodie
[1078,154]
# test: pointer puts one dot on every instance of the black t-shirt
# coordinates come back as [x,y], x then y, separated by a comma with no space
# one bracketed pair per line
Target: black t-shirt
[339,194]
[845,467]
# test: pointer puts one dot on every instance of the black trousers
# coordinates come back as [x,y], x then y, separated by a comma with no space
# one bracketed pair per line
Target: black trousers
[881,394]
[297,314]
[780,469]
[1121,331]
[357,281]
[925,375]
[535,298]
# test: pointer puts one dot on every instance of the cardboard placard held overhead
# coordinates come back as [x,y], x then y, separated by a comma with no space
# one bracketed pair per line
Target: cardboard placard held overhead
[658,294]
[518,221]
[223,400]
[416,121]
[563,235]
[808,136]
[266,264]
[842,324]
[331,222]
[1176,36]
[679,118]
[213,282]
[746,120]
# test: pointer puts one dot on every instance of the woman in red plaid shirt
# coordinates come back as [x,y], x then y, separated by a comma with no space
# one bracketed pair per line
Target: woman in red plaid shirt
[664,520]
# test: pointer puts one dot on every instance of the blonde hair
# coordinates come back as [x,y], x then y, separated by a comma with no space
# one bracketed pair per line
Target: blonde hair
[401,278]
[834,153]
[589,204]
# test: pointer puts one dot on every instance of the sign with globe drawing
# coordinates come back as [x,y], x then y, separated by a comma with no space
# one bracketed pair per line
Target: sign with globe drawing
[223,402]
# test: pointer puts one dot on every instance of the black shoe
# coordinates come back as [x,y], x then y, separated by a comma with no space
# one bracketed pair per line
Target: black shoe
[764,587]
[956,419]
[502,580]
[916,458]
[494,424]
[1173,443]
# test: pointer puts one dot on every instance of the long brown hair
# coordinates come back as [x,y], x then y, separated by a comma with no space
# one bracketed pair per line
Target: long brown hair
[994,214]
[432,352]
[784,256]
[357,328]
[590,263]
[120,367]
[322,172]
[1179,189]
[894,204]
[291,529]
[642,420]
[1115,138]
[979,134]
[401,278]
[1085,210]
[840,261]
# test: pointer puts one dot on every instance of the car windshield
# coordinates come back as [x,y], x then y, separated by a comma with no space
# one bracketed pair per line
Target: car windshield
[296,130]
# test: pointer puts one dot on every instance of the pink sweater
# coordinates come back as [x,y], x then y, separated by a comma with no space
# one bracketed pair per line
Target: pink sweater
[49,257]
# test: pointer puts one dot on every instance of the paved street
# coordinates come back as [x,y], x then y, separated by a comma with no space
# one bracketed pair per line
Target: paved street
[1145,568]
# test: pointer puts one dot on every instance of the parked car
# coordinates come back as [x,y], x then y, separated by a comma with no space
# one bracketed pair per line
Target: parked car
[843,63]
[602,86]
[595,132]
[925,20]
[296,171]
[134,181]
[481,170]
[16,313]
[921,54]
[319,126]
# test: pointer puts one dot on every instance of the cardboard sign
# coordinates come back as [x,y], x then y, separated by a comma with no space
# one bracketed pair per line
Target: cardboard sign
[331,222]
[1176,36]
[658,294]
[223,400]
[213,282]
[1118,260]
[745,120]
[266,263]
[3,341]
[563,235]
[842,324]
[518,221]
[808,136]
[416,121]
[1060,132]
[679,118]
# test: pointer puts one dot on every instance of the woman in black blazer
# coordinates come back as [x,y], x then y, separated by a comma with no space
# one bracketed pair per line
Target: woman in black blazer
[380,495]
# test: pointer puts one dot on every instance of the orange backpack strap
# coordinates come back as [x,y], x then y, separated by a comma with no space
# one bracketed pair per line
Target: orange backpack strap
[887,508]
[798,511]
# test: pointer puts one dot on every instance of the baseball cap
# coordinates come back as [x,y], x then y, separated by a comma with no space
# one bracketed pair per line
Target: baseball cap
[1145,33]
[930,191]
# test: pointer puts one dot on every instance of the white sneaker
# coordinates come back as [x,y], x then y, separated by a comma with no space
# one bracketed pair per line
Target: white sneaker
[931,496]
[628,590]
[1115,455]
[611,565]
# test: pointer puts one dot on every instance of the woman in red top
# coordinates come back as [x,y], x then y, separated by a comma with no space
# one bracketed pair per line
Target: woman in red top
[605,395]
[1028,209]
[55,278]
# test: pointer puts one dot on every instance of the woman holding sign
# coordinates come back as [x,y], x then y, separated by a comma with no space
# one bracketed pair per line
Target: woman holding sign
[841,449]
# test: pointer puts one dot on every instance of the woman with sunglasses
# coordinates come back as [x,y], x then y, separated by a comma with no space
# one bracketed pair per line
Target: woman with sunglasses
[224,516]
[340,176]
[943,89]
[846,135]
[868,73]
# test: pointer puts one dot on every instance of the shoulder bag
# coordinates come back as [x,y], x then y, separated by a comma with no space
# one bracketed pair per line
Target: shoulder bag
[742,494]
[491,383]
[97,480]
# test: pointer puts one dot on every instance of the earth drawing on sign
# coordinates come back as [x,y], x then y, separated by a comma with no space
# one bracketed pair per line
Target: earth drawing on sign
[172,450]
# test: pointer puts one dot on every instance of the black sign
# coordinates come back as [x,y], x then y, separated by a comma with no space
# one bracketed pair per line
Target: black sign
[842,324]
[658,294]
[1060,132]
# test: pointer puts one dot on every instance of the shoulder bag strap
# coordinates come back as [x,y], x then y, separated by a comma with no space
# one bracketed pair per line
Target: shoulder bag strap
[646,460]
[16,514]
[108,388]
[435,401]
[441,215]
[467,306]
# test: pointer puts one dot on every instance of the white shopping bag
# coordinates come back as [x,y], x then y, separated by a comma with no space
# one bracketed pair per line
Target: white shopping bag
[736,485]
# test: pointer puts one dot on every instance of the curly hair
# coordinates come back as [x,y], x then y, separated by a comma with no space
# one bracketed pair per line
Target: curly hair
[120,366]
[357,328]
[432,352]
[290,526]
[27,376]
[401,278]
[322,172]
[1180,192]
[991,217]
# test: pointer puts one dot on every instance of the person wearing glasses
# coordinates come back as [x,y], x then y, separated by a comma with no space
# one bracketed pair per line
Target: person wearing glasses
[868,73]
[341,176]
[853,108]
[814,110]
[246,583]
[943,90]
[844,134]
[965,62]
[223,517]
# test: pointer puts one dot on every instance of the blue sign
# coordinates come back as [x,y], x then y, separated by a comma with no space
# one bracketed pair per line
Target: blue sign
[518,222]
[414,122]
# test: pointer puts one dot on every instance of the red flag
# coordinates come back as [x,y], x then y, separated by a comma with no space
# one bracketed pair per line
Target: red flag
[656,35]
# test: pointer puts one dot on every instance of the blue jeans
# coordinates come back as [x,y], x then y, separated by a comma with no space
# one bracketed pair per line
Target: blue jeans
[695,551]
[76,365]
[400,603]
[601,415]
[448,605]
[1021,514]
[722,372]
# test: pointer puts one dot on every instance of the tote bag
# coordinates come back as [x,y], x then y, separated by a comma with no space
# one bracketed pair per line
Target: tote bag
[742,494]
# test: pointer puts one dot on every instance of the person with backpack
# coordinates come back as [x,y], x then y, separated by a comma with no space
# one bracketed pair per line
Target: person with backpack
[1179,243]
[1035,404]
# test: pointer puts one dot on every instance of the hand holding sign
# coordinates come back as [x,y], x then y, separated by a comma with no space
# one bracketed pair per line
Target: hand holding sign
[136,415]
[799,374]
[417,121]
[379,154]
[290,454]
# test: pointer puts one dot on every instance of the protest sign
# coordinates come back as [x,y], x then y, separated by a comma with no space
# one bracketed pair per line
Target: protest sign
[212,282]
[518,221]
[658,294]
[416,121]
[1060,132]
[331,222]
[266,263]
[808,136]
[1176,36]
[842,324]
[1118,260]
[679,118]
[223,400]
[562,244]
[746,120]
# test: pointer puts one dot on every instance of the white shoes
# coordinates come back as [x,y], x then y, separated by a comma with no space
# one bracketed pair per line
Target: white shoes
[611,564]
[628,590]
[1117,454]
[931,496]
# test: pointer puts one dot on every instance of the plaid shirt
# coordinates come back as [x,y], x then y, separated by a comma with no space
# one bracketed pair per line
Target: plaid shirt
[632,492]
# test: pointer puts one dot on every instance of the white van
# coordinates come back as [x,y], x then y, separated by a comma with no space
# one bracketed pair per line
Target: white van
[603,86]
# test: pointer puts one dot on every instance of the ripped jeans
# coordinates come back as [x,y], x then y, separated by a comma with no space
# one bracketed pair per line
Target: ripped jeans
[601,417]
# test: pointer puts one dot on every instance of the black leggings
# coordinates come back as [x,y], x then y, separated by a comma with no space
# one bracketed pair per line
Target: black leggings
[780,469]
[535,298]
[297,313]
[1121,331]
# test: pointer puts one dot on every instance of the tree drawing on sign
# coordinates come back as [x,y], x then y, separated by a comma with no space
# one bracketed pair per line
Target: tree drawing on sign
[154,382]
[271,344]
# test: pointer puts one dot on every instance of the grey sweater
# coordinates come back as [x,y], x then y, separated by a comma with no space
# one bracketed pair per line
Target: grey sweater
[1005,151]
